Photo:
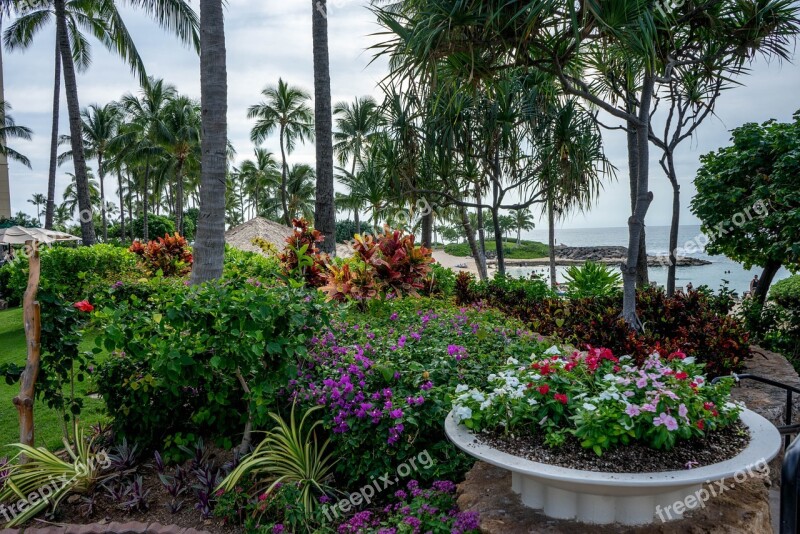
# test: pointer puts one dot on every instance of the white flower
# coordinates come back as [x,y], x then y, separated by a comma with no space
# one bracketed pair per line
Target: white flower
[690,360]
[462,412]
[589,407]
[485,404]
[477,396]
[532,402]
[461,388]
[553,350]
[543,421]
[492,377]
[512,361]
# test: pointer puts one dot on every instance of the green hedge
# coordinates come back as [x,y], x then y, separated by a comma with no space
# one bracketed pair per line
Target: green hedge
[786,293]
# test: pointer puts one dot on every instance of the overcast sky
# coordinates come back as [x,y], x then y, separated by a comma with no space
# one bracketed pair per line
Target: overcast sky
[268,39]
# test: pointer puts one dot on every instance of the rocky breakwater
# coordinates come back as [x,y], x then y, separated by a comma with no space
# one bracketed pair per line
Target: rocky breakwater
[615,255]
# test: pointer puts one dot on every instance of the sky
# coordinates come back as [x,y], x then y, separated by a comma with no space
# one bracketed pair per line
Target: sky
[268,39]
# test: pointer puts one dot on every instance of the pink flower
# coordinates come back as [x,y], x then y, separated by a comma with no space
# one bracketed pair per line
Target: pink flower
[666,420]
[632,410]
[83,306]
[682,410]
[641,382]
[649,408]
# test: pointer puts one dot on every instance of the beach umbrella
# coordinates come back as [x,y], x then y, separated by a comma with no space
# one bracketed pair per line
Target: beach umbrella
[17,235]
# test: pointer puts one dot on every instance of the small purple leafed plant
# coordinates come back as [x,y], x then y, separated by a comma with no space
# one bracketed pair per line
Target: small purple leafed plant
[135,496]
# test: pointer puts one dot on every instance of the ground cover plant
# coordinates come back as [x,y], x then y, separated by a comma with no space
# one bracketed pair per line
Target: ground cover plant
[526,250]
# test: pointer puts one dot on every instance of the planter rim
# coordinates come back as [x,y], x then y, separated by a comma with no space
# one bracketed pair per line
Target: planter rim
[765,442]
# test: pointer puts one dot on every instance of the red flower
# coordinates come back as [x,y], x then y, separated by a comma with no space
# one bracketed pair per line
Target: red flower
[560,397]
[681,375]
[708,405]
[83,306]
[700,424]
[677,354]
[544,389]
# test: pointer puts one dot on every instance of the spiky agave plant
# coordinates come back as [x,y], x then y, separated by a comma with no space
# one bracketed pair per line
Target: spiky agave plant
[44,474]
[289,454]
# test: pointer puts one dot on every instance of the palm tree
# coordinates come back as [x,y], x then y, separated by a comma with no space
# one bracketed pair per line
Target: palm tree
[71,194]
[209,251]
[61,216]
[300,191]
[261,176]
[140,137]
[523,220]
[181,139]
[286,110]
[38,200]
[10,130]
[325,209]
[368,186]
[101,19]
[356,126]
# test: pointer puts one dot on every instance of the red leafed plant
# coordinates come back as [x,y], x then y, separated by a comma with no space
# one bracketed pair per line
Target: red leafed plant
[399,266]
[301,258]
[169,254]
[352,280]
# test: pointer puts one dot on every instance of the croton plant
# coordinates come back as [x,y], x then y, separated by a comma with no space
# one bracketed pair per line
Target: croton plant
[603,400]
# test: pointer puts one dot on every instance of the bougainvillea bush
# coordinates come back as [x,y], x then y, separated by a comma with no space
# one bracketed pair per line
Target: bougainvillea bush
[385,377]
[598,398]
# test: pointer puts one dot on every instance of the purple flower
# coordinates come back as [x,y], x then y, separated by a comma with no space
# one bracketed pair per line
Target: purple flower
[632,410]
[666,420]
[278,529]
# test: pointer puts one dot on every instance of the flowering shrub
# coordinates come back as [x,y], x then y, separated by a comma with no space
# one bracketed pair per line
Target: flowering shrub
[301,258]
[169,254]
[432,511]
[385,376]
[602,400]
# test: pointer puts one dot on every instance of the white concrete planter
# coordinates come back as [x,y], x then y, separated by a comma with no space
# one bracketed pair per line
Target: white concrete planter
[626,498]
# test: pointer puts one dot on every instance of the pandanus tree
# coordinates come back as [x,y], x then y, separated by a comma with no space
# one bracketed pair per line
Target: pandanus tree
[574,41]
[285,110]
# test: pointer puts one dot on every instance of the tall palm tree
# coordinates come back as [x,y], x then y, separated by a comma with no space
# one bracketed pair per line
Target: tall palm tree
[369,186]
[38,200]
[209,248]
[101,19]
[300,191]
[100,126]
[11,130]
[523,220]
[181,139]
[325,209]
[71,196]
[285,109]
[261,175]
[146,126]
[356,126]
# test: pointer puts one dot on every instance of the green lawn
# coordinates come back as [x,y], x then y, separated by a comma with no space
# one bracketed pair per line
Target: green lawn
[527,250]
[48,429]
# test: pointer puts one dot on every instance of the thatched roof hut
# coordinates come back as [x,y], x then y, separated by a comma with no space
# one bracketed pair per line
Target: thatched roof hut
[242,236]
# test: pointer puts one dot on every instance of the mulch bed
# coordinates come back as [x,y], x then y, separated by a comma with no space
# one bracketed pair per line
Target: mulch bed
[634,458]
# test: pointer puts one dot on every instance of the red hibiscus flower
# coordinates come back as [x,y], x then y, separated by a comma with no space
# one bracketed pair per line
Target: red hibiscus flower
[83,306]
[544,389]
[560,397]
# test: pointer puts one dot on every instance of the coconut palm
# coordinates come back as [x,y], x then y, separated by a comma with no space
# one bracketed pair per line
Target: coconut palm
[523,220]
[140,137]
[38,200]
[324,209]
[209,251]
[10,130]
[71,196]
[181,139]
[300,191]
[261,176]
[286,110]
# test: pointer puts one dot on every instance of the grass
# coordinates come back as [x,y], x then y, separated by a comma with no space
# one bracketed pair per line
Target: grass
[47,431]
[526,250]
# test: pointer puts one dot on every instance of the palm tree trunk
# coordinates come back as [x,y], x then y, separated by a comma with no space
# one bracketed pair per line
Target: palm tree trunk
[5,191]
[51,176]
[209,250]
[121,208]
[75,127]
[102,174]
[644,197]
[324,209]
[284,170]
[179,197]
[146,201]
[551,239]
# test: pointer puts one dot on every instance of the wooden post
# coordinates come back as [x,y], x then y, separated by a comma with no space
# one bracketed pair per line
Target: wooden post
[33,335]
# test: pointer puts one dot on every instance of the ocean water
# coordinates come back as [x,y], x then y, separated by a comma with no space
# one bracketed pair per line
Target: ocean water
[721,268]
